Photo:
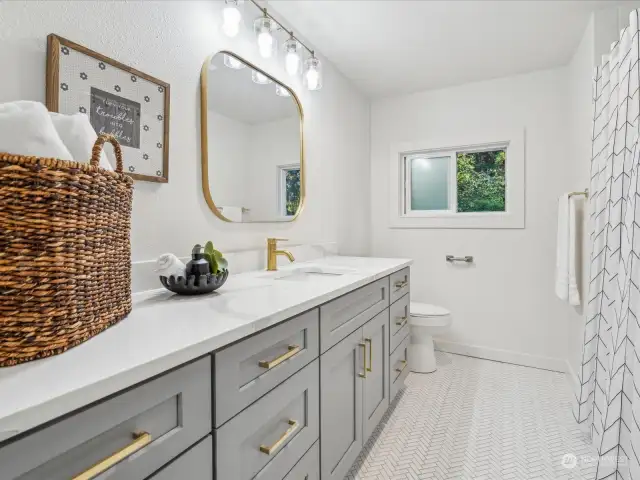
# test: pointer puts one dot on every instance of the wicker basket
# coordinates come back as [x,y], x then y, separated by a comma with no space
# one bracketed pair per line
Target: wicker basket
[65,255]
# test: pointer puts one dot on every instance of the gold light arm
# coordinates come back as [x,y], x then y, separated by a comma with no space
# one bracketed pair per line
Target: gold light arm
[293,426]
[269,364]
[141,440]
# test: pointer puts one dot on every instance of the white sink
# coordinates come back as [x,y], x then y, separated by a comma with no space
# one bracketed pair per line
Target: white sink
[308,272]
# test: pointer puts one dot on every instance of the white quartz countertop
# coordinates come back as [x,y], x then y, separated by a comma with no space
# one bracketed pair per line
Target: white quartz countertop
[164,331]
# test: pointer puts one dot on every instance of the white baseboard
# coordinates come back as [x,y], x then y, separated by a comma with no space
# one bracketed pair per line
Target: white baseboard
[506,356]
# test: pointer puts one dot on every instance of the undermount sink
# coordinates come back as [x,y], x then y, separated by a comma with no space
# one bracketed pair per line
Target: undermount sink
[307,272]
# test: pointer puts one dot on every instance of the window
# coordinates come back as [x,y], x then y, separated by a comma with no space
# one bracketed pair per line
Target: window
[289,189]
[455,181]
[473,179]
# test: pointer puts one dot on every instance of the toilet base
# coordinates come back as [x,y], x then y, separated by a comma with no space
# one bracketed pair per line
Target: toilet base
[421,356]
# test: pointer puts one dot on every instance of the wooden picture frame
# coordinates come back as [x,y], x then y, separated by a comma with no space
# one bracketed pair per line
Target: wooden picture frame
[140,121]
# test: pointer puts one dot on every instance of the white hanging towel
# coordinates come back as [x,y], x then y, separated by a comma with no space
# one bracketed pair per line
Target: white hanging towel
[232,213]
[566,282]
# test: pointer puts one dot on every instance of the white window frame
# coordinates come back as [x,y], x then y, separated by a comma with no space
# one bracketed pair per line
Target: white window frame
[512,141]
[282,187]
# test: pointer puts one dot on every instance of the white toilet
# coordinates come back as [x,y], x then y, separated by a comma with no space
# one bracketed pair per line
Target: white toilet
[425,321]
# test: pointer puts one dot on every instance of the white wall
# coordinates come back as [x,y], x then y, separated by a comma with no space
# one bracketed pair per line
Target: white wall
[170,40]
[505,301]
[580,83]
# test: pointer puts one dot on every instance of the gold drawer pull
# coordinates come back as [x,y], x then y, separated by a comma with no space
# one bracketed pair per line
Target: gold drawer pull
[292,428]
[401,321]
[364,356]
[404,365]
[401,283]
[141,440]
[268,364]
[369,368]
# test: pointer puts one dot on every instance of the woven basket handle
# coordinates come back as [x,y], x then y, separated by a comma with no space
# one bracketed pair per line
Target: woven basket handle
[97,149]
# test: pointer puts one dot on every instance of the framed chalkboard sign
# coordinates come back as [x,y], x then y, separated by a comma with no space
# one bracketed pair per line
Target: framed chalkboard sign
[122,101]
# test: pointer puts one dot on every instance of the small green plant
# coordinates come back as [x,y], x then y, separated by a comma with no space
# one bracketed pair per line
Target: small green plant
[217,262]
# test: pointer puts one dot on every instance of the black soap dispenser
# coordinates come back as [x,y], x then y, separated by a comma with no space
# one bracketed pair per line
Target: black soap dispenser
[198,264]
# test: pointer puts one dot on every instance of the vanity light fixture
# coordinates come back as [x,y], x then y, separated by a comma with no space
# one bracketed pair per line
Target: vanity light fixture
[292,56]
[231,17]
[233,62]
[259,78]
[281,91]
[313,73]
[263,28]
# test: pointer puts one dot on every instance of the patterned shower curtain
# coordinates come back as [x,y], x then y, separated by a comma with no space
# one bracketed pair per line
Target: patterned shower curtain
[608,400]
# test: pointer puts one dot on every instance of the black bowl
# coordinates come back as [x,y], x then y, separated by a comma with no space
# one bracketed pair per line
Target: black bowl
[194,285]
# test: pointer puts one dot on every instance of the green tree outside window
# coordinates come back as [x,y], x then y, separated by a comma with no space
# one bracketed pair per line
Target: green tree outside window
[481,181]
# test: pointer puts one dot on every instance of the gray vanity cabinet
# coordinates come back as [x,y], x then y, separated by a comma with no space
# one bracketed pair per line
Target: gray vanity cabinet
[341,378]
[376,383]
[195,464]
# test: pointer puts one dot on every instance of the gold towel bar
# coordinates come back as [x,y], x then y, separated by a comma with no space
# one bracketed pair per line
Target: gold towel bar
[585,193]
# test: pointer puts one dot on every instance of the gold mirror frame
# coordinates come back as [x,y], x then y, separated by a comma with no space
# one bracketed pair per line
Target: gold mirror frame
[204,144]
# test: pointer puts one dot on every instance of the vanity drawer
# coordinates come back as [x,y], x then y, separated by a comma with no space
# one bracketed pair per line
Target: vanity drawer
[399,365]
[400,282]
[128,436]
[308,468]
[195,464]
[399,320]
[268,438]
[346,314]
[249,369]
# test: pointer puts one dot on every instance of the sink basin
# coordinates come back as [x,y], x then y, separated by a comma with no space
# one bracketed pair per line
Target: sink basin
[308,272]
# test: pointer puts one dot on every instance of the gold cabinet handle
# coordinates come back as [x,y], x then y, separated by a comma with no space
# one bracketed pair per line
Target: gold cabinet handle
[364,356]
[369,368]
[404,365]
[141,440]
[293,426]
[269,364]
[401,321]
[401,283]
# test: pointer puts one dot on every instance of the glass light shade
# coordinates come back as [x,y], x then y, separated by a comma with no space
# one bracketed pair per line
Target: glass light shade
[259,78]
[292,57]
[233,62]
[281,91]
[313,73]
[231,18]
[264,28]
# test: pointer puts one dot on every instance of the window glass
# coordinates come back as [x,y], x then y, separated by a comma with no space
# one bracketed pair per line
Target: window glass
[429,183]
[292,191]
[481,181]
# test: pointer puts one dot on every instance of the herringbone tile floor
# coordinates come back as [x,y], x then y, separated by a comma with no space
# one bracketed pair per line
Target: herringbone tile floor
[478,420]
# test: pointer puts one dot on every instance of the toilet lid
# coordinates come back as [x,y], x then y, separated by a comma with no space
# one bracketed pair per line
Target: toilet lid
[427,310]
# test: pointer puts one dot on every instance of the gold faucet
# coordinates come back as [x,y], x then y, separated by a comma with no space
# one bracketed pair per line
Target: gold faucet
[273,252]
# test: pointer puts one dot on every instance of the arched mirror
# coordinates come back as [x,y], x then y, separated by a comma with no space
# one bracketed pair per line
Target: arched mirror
[252,143]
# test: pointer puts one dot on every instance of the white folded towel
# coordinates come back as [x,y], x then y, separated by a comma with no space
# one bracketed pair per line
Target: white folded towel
[168,264]
[27,129]
[566,282]
[232,213]
[78,136]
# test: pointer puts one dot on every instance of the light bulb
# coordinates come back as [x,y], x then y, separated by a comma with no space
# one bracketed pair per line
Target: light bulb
[312,79]
[265,44]
[313,73]
[233,62]
[292,57]
[231,20]
[263,29]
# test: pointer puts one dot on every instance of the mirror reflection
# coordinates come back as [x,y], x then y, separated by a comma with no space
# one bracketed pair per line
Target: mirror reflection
[252,143]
